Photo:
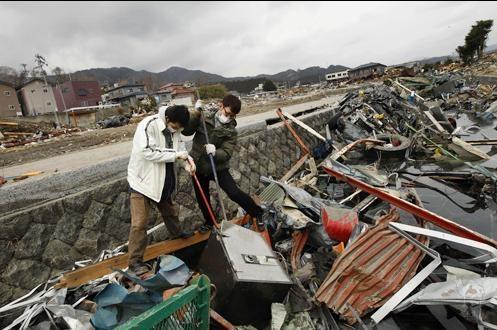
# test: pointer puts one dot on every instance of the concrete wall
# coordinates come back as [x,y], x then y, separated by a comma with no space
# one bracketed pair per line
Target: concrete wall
[48,224]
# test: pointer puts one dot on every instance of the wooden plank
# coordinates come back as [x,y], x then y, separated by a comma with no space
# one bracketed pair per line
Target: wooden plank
[17,133]
[294,168]
[8,123]
[468,148]
[86,274]
[435,122]
[304,126]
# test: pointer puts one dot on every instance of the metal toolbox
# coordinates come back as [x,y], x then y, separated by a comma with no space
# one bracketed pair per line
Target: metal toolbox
[247,274]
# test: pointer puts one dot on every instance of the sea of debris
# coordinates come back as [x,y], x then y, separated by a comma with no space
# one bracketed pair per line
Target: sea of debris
[388,223]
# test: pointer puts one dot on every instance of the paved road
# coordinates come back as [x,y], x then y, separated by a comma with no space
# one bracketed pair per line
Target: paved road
[85,158]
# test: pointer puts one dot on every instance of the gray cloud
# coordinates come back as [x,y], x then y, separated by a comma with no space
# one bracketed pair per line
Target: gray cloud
[233,39]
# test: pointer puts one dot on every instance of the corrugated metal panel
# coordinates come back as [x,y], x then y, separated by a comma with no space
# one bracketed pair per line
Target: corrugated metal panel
[370,270]
[272,193]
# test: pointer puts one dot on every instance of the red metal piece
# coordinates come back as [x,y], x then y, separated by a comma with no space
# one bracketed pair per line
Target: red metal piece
[440,221]
[221,320]
[299,240]
[370,270]
[206,202]
[301,143]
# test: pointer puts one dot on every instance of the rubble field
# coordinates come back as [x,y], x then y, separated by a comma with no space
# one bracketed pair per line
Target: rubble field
[388,222]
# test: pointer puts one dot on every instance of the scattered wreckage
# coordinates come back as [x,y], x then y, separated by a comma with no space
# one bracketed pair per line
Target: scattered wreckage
[349,237]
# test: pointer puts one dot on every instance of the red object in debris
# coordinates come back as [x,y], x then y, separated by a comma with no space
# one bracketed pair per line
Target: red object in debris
[339,222]
[434,218]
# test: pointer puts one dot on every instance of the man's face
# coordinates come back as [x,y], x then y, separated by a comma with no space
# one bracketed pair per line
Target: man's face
[174,126]
[227,111]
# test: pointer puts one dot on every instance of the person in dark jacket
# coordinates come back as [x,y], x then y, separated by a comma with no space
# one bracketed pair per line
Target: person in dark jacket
[223,141]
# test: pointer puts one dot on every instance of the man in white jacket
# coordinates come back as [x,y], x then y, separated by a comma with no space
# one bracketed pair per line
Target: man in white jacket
[152,177]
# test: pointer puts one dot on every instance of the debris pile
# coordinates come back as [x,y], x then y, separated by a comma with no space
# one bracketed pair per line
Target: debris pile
[391,212]
[14,134]
[113,121]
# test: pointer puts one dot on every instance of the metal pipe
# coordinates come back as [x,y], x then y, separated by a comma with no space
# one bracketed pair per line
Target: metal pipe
[213,165]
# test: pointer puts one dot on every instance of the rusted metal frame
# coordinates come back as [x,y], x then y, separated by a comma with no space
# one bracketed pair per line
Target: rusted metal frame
[400,295]
[399,260]
[221,320]
[413,209]
[301,143]
[299,240]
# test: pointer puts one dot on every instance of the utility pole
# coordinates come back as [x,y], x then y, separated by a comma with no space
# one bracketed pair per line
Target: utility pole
[41,62]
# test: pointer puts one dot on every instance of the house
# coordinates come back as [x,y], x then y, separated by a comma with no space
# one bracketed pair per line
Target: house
[184,96]
[175,93]
[337,76]
[36,97]
[281,86]
[128,95]
[367,70]
[72,94]
[9,104]
[161,96]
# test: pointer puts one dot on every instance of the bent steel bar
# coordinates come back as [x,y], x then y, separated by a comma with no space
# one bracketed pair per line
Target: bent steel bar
[436,219]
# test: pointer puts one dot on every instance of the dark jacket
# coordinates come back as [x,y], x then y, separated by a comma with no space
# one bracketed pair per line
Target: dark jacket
[224,137]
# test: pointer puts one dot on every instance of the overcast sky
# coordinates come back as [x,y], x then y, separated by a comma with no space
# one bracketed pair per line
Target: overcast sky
[233,39]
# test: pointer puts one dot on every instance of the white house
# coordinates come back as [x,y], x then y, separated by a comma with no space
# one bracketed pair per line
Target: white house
[339,75]
[37,97]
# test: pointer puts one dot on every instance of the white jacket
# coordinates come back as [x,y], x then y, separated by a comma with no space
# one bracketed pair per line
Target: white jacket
[146,168]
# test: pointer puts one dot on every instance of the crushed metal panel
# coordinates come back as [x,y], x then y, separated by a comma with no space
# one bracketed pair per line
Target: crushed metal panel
[466,291]
[370,271]
[384,310]
[272,193]
[489,257]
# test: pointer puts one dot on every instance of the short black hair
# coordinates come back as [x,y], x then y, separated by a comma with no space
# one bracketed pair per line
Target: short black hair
[178,114]
[233,103]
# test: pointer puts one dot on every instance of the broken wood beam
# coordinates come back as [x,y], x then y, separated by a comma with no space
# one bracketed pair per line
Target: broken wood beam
[294,168]
[8,123]
[83,275]
[17,133]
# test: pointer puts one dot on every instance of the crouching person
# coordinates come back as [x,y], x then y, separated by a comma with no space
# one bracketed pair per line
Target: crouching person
[152,177]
